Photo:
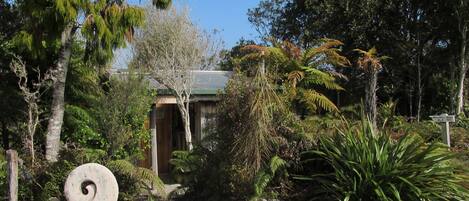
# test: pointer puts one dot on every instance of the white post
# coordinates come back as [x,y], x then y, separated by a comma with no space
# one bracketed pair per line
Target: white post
[12,159]
[154,145]
[445,128]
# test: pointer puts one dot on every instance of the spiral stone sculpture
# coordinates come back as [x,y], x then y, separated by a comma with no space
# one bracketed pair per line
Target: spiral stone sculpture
[91,182]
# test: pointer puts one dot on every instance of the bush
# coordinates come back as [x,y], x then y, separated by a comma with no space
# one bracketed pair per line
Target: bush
[185,164]
[250,129]
[366,165]
[133,181]
[3,175]
[48,181]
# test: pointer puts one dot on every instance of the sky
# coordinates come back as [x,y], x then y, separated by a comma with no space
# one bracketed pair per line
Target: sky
[228,17]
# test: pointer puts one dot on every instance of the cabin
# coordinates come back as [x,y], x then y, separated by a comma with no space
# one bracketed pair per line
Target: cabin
[165,121]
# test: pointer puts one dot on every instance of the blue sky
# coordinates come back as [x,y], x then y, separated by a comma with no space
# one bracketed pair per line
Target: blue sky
[226,16]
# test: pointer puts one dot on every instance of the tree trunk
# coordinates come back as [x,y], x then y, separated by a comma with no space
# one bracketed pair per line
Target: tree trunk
[33,120]
[183,107]
[370,97]
[452,104]
[462,70]
[460,97]
[419,84]
[411,99]
[57,108]
[187,127]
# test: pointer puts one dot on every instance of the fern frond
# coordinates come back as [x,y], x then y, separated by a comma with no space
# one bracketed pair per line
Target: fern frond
[329,51]
[276,163]
[121,166]
[295,77]
[260,183]
[148,177]
[314,100]
[369,60]
[320,78]
[264,177]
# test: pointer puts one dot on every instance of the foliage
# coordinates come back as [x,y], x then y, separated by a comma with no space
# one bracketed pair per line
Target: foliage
[82,93]
[462,121]
[48,182]
[80,127]
[302,72]
[371,63]
[223,173]
[364,164]
[132,180]
[185,164]
[121,113]
[266,176]
[369,60]
[3,174]
[418,36]
[170,48]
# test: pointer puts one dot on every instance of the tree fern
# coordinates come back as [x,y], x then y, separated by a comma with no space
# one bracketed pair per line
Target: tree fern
[146,179]
[315,100]
[264,177]
[305,69]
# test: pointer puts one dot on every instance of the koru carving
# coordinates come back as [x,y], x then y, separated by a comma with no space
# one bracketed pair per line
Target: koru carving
[91,182]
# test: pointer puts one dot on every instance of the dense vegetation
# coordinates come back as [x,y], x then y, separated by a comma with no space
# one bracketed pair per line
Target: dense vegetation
[332,103]
[55,68]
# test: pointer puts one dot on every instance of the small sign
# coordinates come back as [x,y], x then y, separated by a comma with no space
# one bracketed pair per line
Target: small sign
[443,118]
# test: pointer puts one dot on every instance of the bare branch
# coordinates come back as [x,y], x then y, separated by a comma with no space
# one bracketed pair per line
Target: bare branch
[170,48]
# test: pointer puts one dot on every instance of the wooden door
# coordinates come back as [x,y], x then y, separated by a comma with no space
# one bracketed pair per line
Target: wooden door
[164,130]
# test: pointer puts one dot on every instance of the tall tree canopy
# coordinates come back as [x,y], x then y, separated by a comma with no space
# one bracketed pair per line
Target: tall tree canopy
[47,33]
[421,37]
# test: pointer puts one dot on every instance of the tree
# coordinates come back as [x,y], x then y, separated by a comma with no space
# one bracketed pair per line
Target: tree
[419,36]
[32,98]
[11,101]
[121,114]
[461,13]
[52,25]
[301,71]
[370,62]
[170,48]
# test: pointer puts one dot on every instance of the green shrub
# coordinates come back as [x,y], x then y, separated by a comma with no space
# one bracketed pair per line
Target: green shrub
[50,182]
[368,165]
[133,181]
[184,166]
[462,121]
[3,174]
[120,115]
[265,176]
[80,127]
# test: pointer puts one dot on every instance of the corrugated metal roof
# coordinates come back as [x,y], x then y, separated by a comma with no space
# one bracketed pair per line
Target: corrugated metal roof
[204,82]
